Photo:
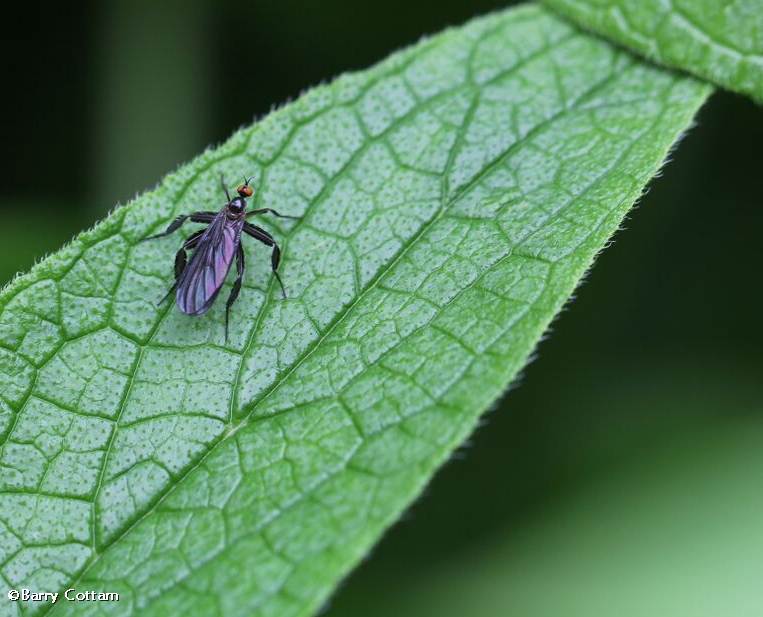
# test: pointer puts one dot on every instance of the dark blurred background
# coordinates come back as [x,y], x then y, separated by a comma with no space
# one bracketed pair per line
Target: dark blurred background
[622,474]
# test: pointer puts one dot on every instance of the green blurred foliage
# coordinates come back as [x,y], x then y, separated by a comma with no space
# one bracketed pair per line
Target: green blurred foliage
[674,530]
[30,231]
[648,389]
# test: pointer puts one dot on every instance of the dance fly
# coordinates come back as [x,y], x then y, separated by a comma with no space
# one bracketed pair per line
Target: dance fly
[198,281]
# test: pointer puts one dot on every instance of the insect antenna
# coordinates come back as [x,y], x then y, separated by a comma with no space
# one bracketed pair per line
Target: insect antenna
[225,188]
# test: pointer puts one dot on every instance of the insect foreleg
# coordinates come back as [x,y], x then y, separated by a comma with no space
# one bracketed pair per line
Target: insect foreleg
[173,226]
[196,217]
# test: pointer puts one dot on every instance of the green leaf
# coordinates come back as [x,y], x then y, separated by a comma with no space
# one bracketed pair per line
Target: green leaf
[451,199]
[721,41]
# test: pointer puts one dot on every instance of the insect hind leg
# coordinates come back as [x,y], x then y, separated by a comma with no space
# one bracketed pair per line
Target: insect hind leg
[240,266]
[275,257]
[275,260]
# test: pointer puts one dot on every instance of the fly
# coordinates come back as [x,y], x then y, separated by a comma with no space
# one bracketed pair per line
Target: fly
[198,281]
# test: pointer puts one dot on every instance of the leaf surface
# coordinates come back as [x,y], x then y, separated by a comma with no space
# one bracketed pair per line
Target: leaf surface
[451,199]
[718,40]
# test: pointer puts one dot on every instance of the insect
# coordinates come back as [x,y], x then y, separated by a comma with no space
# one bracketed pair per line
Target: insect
[198,281]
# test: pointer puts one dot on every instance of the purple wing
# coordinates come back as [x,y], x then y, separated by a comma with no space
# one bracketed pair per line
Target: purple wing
[203,277]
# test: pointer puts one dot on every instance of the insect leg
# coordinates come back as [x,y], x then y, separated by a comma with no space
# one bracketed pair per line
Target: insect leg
[203,217]
[275,257]
[173,226]
[196,217]
[271,211]
[181,258]
[236,285]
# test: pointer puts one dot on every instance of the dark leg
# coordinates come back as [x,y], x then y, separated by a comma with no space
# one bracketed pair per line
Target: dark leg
[203,217]
[196,217]
[236,286]
[271,211]
[275,257]
[181,258]
[173,226]
[225,188]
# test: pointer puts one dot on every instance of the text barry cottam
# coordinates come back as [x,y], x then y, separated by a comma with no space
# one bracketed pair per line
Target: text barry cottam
[72,595]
